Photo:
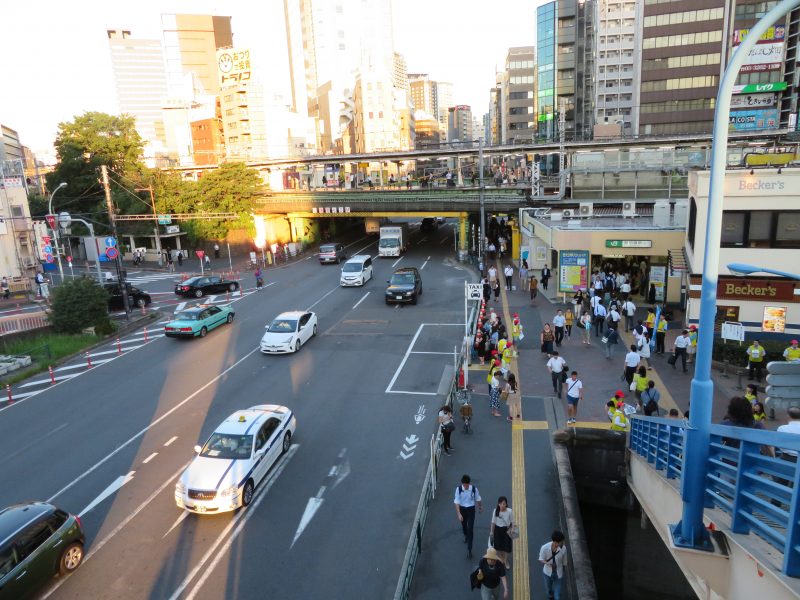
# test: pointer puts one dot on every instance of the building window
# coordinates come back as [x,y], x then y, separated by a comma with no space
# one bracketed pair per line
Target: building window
[692,222]
[733,228]
[787,230]
[759,229]
[16,211]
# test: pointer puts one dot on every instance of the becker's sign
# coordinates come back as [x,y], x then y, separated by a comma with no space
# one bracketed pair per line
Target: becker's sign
[749,289]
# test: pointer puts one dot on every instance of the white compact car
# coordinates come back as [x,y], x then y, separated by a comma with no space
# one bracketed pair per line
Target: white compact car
[235,459]
[356,271]
[288,331]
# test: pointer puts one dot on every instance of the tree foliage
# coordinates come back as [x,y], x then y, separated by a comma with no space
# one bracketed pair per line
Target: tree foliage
[79,304]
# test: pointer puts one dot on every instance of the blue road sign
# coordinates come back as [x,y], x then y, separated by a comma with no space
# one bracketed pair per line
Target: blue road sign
[48,249]
[49,258]
[110,242]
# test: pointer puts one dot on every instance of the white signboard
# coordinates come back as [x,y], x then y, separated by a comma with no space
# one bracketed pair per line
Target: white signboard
[732,330]
[754,100]
[173,229]
[763,57]
[474,291]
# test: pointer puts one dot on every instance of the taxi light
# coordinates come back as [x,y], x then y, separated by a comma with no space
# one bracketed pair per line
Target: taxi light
[242,419]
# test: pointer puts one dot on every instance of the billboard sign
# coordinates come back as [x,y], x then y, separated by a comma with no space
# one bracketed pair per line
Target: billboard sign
[754,120]
[757,88]
[773,34]
[233,66]
[763,57]
[753,100]
[573,270]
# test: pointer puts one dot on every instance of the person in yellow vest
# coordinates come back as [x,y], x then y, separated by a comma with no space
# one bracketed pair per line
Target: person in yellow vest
[755,360]
[661,334]
[751,393]
[691,350]
[650,322]
[501,345]
[792,353]
[493,366]
[619,421]
[508,354]
[759,416]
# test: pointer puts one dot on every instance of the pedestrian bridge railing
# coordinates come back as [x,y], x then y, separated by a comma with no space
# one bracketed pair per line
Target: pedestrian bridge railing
[751,475]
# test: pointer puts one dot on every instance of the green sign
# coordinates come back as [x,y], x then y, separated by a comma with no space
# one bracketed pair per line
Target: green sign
[756,88]
[629,244]
[164,219]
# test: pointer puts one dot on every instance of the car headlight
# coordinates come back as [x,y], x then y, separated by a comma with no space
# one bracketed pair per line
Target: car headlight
[287,341]
[231,491]
[180,488]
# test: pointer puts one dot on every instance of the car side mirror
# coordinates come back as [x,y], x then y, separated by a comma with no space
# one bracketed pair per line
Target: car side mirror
[197,449]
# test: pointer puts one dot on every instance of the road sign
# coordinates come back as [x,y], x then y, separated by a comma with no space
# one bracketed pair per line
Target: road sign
[48,249]
[51,220]
[46,240]
[110,242]
[49,258]
[173,229]
[112,253]
[200,254]
[474,291]
[164,219]
[732,330]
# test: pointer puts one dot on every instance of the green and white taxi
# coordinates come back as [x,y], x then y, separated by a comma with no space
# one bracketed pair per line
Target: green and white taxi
[198,321]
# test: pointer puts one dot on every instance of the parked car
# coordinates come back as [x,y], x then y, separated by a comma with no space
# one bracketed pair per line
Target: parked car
[332,253]
[404,286]
[37,540]
[198,321]
[205,284]
[429,224]
[136,297]
[288,331]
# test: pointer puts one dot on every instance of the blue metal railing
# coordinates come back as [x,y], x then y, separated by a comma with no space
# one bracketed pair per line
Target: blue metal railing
[750,474]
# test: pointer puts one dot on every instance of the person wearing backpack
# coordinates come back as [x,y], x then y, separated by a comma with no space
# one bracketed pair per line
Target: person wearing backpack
[467,497]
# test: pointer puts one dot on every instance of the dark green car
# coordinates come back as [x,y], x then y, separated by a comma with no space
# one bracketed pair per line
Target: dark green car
[37,540]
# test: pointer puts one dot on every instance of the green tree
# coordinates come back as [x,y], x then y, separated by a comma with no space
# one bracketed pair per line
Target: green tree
[79,304]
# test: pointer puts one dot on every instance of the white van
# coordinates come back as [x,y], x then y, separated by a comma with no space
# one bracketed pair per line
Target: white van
[357,270]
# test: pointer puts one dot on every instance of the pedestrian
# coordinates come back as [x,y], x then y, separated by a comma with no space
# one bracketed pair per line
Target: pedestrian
[691,349]
[613,317]
[447,425]
[259,278]
[791,426]
[650,323]
[600,314]
[661,333]
[108,276]
[569,319]
[497,386]
[492,249]
[545,276]
[619,420]
[643,348]
[547,337]
[791,354]
[516,333]
[490,574]
[758,412]
[629,310]
[553,557]
[586,327]
[507,355]
[492,274]
[674,414]
[577,301]
[625,289]
[170,264]
[574,395]
[755,360]
[5,288]
[509,274]
[207,260]
[557,368]
[610,340]
[523,275]
[494,365]
[534,289]
[639,385]
[631,363]
[558,323]
[502,522]
[467,497]
[650,399]
[480,347]
[682,342]
[40,280]
[496,288]
[512,398]
[216,245]
[751,393]
[487,290]
[180,258]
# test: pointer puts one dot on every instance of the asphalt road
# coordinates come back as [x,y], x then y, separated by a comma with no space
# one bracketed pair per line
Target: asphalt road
[355,388]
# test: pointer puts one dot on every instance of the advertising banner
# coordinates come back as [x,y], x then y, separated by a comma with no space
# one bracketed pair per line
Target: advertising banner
[658,278]
[753,100]
[751,120]
[573,270]
[773,34]
[233,66]
[763,57]
[774,320]
[757,88]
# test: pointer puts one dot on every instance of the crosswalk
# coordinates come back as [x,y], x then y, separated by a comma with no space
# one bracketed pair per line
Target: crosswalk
[144,277]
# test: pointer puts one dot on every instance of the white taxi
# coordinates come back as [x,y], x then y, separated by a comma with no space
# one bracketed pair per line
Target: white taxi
[235,459]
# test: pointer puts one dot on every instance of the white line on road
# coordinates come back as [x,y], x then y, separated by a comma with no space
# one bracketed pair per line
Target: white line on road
[151,425]
[239,521]
[170,440]
[177,522]
[422,240]
[414,393]
[82,365]
[358,240]
[425,263]
[323,298]
[405,358]
[149,458]
[180,306]
[43,381]
[444,239]
[421,352]
[111,489]
[394,264]
[364,297]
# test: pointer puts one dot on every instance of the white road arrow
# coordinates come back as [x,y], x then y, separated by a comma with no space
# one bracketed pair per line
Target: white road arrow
[405,456]
[420,414]
[335,476]
[409,448]
[412,439]
[118,483]
[312,506]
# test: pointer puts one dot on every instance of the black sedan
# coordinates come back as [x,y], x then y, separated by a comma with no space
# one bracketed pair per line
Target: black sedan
[136,297]
[198,287]
[404,286]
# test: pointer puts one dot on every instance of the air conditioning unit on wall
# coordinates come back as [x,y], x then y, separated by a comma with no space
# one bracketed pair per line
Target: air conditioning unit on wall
[587,209]
[568,213]
[629,209]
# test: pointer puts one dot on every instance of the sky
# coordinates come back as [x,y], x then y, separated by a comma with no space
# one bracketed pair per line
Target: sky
[58,63]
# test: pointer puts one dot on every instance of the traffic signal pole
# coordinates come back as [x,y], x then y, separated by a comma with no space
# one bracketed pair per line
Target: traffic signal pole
[123,287]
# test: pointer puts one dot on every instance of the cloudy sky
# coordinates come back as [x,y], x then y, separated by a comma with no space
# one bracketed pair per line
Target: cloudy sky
[55,69]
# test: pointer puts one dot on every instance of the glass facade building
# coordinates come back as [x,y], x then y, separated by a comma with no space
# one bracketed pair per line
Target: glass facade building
[545,71]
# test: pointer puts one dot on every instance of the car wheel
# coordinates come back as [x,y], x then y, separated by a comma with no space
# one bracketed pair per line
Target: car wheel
[420,290]
[230,318]
[232,287]
[247,494]
[287,442]
[198,293]
[141,303]
[203,332]
[314,332]
[297,345]
[70,558]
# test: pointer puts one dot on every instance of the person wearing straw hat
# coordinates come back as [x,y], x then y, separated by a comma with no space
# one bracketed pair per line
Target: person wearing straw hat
[493,573]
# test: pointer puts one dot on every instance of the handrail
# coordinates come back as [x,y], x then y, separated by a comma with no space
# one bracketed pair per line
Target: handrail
[759,491]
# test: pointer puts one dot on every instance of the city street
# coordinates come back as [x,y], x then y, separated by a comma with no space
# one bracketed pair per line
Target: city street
[109,443]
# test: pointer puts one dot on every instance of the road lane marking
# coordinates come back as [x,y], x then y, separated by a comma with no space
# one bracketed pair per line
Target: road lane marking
[405,358]
[111,489]
[170,440]
[444,239]
[151,425]
[357,241]
[364,297]
[149,458]
[335,476]
[66,377]
[394,264]
[426,352]
[323,298]
[180,306]
[98,546]
[425,263]
[411,393]
[177,522]
[422,240]
[240,520]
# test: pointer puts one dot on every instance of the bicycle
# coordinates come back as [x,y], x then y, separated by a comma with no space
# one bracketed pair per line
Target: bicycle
[464,397]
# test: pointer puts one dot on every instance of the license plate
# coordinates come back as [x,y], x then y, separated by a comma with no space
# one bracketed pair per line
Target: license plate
[398,297]
[200,508]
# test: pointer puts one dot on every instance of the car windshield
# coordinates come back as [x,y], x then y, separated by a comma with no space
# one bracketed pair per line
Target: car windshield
[403,279]
[187,316]
[389,243]
[328,248]
[352,268]
[224,445]
[191,281]
[282,326]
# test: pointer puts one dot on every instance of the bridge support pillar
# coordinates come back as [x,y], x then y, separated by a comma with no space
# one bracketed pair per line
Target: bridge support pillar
[463,238]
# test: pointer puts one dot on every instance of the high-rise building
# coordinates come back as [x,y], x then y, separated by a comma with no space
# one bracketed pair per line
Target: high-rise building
[17,254]
[444,101]
[495,133]
[424,94]
[618,56]
[487,128]
[426,127]
[518,94]
[459,123]
[141,84]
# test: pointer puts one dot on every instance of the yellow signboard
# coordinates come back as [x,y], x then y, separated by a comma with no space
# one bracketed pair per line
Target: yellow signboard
[233,66]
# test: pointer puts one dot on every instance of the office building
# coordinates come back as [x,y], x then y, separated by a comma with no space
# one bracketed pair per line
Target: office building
[444,93]
[426,128]
[459,123]
[424,94]
[618,56]
[141,83]
[518,94]
[17,247]
[495,133]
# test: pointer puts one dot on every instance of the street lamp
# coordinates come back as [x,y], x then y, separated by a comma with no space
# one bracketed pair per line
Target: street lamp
[742,269]
[55,228]
[691,532]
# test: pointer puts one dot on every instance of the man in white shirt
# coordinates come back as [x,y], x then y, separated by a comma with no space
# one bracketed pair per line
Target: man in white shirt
[613,317]
[558,323]
[792,426]
[553,556]
[465,500]
[632,359]
[492,273]
[574,395]
[599,318]
[556,366]
[681,344]
[625,289]
[629,310]
[509,273]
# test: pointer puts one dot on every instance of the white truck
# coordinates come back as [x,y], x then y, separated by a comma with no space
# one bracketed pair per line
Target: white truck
[372,225]
[393,239]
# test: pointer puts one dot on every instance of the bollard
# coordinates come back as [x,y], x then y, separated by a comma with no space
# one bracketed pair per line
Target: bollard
[119,347]
[145,334]
[227,296]
[144,311]
[8,389]
[88,361]
[52,376]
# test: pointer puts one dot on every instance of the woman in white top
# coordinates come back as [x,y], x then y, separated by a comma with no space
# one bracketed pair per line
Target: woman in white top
[502,521]
[643,349]
[448,426]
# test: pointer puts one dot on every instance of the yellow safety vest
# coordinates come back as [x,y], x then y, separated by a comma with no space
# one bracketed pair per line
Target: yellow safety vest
[751,398]
[501,345]
[621,414]
[515,330]
[662,325]
[507,355]
[651,318]
[792,353]
[492,369]
[756,354]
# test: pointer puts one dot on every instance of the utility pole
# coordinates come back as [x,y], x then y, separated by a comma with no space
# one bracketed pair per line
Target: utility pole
[480,196]
[123,285]
[149,188]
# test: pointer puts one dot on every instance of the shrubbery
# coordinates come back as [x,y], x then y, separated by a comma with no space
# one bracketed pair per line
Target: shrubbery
[79,304]
[734,354]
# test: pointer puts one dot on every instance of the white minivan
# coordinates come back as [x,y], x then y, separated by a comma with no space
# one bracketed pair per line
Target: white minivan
[357,270]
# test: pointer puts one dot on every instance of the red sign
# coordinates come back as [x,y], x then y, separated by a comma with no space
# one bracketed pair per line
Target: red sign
[69,259]
[51,220]
[200,254]
[112,253]
[46,240]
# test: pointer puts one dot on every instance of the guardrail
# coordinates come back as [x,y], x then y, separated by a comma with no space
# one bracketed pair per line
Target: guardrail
[17,323]
[758,490]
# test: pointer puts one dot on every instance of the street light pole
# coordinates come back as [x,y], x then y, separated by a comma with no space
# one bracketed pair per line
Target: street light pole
[482,202]
[690,532]
[123,286]
[55,229]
